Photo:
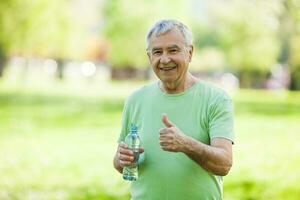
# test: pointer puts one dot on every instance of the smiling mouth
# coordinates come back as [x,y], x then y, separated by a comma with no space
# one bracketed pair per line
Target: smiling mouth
[167,68]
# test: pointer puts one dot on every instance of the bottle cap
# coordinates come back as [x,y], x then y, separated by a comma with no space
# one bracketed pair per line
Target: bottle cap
[133,128]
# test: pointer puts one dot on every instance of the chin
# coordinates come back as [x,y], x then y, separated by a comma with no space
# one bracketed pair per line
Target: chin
[167,79]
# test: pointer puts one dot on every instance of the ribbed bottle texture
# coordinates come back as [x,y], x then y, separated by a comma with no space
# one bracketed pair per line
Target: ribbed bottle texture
[130,173]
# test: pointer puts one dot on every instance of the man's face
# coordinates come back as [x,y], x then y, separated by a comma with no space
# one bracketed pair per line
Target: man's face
[169,56]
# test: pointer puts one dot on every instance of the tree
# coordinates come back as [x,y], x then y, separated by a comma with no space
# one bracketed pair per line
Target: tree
[33,28]
[127,23]
[248,35]
[289,35]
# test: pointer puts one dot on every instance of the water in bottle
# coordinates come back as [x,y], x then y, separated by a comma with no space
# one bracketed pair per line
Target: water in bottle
[130,173]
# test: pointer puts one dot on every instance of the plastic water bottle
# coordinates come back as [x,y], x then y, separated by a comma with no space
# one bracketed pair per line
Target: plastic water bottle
[130,173]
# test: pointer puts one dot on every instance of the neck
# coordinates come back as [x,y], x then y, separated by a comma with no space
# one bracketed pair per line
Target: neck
[178,87]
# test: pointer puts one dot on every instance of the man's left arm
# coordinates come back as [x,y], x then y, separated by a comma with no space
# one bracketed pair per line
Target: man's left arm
[215,158]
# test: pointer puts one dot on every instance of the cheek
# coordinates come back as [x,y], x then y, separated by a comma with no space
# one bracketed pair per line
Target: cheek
[154,63]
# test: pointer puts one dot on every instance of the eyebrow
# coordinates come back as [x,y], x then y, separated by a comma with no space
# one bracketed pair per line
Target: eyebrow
[170,47]
[155,48]
[174,46]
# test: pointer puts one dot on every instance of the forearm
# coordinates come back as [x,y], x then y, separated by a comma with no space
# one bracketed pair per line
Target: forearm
[213,159]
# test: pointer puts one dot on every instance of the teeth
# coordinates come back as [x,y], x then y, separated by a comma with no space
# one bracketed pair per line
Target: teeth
[166,68]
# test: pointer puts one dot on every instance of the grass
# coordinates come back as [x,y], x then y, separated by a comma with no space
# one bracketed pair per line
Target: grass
[266,151]
[58,143]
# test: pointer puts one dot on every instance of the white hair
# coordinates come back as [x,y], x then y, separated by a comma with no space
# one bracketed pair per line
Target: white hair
[164,26]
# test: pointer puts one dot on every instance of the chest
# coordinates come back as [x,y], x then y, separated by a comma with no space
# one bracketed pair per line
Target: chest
[190,117]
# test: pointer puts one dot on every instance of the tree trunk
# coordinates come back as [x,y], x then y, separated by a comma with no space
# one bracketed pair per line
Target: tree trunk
[287,29]
[60,68]
[3,60]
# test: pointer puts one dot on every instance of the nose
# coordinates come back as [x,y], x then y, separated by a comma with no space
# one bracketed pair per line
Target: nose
[164,59]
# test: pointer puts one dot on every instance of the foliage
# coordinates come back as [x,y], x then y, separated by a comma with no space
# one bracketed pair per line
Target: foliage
[245,31]
[126,28]
[38,27]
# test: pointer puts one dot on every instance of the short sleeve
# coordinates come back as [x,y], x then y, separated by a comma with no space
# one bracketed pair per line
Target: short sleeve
[125,119]
[221,119]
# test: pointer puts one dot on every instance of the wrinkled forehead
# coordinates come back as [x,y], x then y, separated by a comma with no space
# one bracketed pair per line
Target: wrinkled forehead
[173,37]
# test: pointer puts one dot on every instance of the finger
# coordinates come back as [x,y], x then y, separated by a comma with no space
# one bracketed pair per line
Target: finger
[123,144]
[166,136]
[125,151]
[168,148]
[165,147]
[125,158]
[125,163]
[166,121]
[163,130]
[163,143]
[162,138]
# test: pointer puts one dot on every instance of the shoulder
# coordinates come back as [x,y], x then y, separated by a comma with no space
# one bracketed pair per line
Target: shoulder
[141,93]
[212,93]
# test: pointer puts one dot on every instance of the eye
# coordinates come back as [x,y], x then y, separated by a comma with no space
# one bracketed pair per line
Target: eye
[173,51]
[156,52]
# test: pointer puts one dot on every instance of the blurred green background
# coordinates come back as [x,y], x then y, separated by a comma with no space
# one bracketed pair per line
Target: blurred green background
[66,67]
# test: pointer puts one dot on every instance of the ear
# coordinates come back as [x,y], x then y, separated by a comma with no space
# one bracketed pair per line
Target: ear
[148,54]
[191,49]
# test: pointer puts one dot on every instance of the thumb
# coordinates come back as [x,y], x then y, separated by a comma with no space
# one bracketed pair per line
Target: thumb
[166,121]
[141,150]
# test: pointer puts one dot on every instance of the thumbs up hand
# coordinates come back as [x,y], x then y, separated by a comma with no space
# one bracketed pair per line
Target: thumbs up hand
[171,138]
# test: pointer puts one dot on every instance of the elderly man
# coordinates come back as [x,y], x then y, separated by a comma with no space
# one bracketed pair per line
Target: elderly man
[185,125]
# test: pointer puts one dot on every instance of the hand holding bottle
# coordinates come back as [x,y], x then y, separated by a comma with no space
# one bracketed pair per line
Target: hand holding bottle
[126,156]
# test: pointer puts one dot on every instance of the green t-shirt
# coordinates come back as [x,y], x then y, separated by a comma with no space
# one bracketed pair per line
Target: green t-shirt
[202,112]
